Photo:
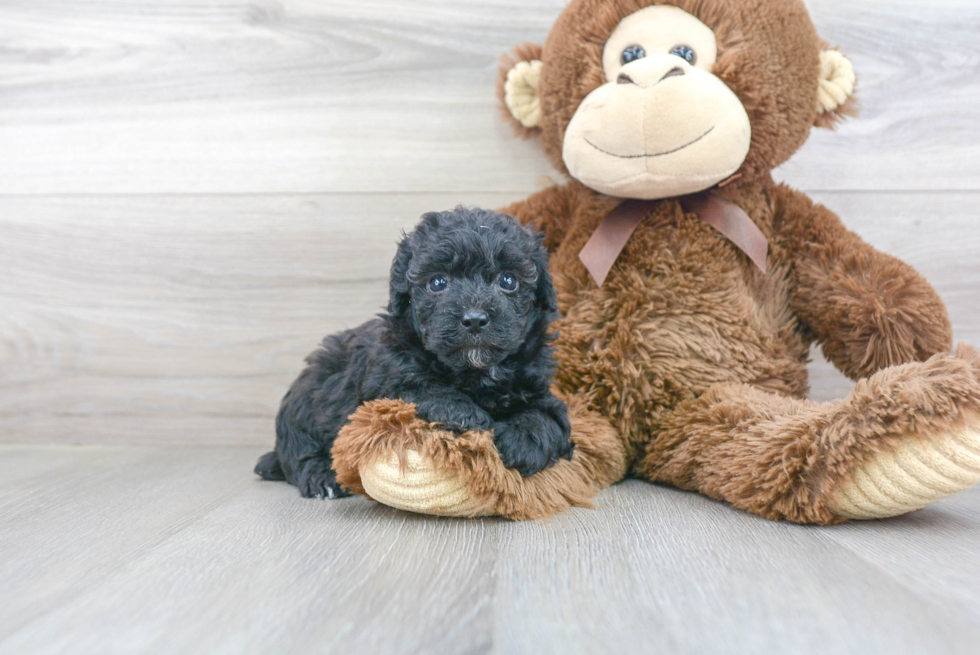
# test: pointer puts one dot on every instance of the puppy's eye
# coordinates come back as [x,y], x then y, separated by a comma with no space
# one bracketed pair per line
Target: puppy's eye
[685,52]
[633,52]
[438,283]
[508,283]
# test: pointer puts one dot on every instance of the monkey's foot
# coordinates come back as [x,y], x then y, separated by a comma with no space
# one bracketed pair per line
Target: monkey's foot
[920,470]
[390,455]
[927,465]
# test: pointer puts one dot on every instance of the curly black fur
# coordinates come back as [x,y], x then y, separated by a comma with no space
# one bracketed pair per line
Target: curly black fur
[473,355]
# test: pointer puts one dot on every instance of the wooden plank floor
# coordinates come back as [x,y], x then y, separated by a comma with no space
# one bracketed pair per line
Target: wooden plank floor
[156,549]
[194,192]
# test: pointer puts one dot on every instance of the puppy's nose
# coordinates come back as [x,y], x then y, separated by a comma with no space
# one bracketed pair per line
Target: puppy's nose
[475,320]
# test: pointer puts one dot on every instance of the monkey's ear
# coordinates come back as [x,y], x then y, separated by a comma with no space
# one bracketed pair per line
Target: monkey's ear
[835,93]
[517,88]
[400,288]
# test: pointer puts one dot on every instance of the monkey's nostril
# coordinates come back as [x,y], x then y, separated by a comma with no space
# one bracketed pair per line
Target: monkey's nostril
[475,321]
[624,79]
[673,72]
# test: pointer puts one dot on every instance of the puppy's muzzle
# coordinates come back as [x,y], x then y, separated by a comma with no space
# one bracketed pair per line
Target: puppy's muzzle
[474,321]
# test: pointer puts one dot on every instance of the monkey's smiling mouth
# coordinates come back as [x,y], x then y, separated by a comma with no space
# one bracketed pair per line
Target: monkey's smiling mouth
[656,154]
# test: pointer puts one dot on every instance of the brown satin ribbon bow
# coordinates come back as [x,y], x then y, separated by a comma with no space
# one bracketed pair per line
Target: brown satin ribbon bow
[609,239]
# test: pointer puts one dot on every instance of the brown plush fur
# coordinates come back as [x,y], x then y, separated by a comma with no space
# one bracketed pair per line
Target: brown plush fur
[783,458]
[385,427]
[696,358]
[768,54]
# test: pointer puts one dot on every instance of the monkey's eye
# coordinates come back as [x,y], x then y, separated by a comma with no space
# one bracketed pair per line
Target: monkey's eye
[632,53]
[685,52]
[508,282]
[438,283]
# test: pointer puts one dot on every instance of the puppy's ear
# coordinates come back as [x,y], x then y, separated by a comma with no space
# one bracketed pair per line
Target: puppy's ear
[545,295]
[399,285]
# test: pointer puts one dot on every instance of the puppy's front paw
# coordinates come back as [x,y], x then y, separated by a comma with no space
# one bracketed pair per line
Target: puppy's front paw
[317,480]
[458,417]
[531,441]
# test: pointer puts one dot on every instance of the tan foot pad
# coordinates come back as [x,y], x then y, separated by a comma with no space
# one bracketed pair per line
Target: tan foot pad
[389,454]
[418,487]
[917,473]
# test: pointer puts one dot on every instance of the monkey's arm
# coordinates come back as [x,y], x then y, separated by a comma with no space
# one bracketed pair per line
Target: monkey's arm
[550,211]
[869,310]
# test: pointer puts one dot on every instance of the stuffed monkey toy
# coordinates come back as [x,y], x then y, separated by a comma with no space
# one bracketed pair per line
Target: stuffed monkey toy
[691,287]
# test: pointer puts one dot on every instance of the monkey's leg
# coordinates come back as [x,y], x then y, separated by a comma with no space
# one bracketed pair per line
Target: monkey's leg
[389,453]
[904,438]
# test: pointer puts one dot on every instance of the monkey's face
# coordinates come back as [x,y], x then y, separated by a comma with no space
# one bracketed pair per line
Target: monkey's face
[643,99]
[662,125]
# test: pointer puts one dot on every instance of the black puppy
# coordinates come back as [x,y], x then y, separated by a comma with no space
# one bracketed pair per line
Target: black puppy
[465,338]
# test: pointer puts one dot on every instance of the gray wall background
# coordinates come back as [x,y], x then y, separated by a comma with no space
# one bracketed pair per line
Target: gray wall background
[194,192]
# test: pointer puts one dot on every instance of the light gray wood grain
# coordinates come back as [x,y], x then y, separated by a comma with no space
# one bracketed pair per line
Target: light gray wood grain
[163,272]
[663,571]
[934,552]
[186,551]
[189,315]
[914,87]
[234,96]
[84,513]
[201,557]
[148,319]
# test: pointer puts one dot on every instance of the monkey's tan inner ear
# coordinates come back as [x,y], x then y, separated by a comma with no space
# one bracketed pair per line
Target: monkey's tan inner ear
[521,93]
[837,80]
